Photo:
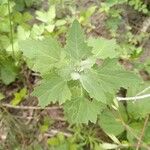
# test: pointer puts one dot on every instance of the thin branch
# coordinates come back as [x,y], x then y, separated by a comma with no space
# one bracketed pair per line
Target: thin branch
[137,97]
[128,128]
[133,98]
[142,133]
[36,117]
[30,107]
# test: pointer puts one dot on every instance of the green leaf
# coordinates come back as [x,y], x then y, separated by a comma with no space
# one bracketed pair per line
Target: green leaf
[65,72]
[19,96]
[89,12]
[115,2]
[112,72]
[47,17]
[60,22]
[107,79]
[27,16]
[45,54]
[76,47]
[50,28]
[139,108]
[37,31]
[103,48]
[8,71]
[136,128]
[52,89]
[90,83]
[110,123]
[22,34]
[71,70]
[87,63]
[81,110]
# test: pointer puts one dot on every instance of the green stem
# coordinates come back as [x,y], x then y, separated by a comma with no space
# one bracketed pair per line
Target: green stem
[11,29]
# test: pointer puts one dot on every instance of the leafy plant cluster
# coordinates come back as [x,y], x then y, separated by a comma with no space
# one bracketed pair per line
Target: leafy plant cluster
[16,25]
[130,44]
[9,51]
[21,5]
[84,76]
[8,68]
[75,77]
[73,73]
[116,9]
[139,5]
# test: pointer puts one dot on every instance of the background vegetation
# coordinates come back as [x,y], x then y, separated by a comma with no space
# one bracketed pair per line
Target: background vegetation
[116,49]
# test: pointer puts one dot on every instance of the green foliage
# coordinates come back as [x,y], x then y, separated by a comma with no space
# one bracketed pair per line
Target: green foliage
[139,109]
[45,54]
[47,122]
[113,13]
[19,96]
[138,5]
[111,123]
[76,47]
[83,76]
[49,22]
[82,110]
[102,48]
[16,18]
[137,128]
[106,6]
[21,19]
[22,4]
[85,15]
[9,52]
[106,80]
[8,69]
[47,18]
[61,143]
[52,89]
[78,67]
[114,10]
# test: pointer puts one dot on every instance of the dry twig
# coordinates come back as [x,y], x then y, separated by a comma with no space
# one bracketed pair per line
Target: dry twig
[30,107]
[142,133]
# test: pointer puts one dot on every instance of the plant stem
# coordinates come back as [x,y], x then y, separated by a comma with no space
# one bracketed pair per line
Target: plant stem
[129,129]
[11,29]
[133,98]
